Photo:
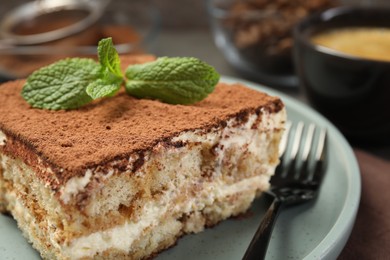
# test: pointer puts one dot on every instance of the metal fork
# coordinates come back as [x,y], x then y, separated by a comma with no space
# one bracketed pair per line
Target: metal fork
[297,180]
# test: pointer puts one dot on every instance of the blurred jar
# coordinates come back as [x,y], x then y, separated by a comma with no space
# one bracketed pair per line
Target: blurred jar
[51,30]
[256,35]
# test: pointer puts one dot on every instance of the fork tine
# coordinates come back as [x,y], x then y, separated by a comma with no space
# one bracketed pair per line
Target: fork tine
[308,142]
[284,141]
[320,156]
[291,173]
[322,146]
[297,141]
[282,149]
[304,172]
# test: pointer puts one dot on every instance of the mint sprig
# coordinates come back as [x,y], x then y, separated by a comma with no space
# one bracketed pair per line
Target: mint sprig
[61,85]
[109,58]
[180,80]
[74,82]
[111,76]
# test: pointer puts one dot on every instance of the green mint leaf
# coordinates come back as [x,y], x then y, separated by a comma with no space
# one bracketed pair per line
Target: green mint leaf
[179,80]
[109,58]
[61,85]
[111,76]
[101,88]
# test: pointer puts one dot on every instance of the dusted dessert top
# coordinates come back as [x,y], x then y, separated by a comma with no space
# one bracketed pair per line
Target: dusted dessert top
[114,128]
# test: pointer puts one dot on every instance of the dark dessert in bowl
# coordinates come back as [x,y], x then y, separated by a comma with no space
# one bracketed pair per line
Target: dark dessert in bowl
[256,36]
[344,70]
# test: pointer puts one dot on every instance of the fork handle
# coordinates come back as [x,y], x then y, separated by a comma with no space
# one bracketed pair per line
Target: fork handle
[257,249]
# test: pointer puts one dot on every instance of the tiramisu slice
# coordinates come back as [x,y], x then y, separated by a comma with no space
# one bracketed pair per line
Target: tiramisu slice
[126,177]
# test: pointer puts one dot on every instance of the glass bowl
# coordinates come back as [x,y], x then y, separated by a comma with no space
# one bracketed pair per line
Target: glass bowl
[133,25]
[256,36]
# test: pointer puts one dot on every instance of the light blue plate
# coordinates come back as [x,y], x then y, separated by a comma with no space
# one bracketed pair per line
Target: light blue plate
[317,230]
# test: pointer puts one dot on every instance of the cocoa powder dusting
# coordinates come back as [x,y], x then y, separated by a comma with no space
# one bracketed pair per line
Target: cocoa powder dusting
[114,128]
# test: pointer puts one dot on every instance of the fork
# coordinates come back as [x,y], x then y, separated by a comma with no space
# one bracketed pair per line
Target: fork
[297,180]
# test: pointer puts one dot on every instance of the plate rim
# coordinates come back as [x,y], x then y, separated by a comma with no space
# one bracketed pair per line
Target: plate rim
[334,241]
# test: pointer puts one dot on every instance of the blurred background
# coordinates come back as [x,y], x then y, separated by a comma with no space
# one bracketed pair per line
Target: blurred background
[162,27]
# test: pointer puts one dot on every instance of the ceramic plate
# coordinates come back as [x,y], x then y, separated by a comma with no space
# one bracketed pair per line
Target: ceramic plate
[317,230]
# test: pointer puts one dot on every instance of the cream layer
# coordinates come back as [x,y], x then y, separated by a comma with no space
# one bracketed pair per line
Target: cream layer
[122,237]
[3,138]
